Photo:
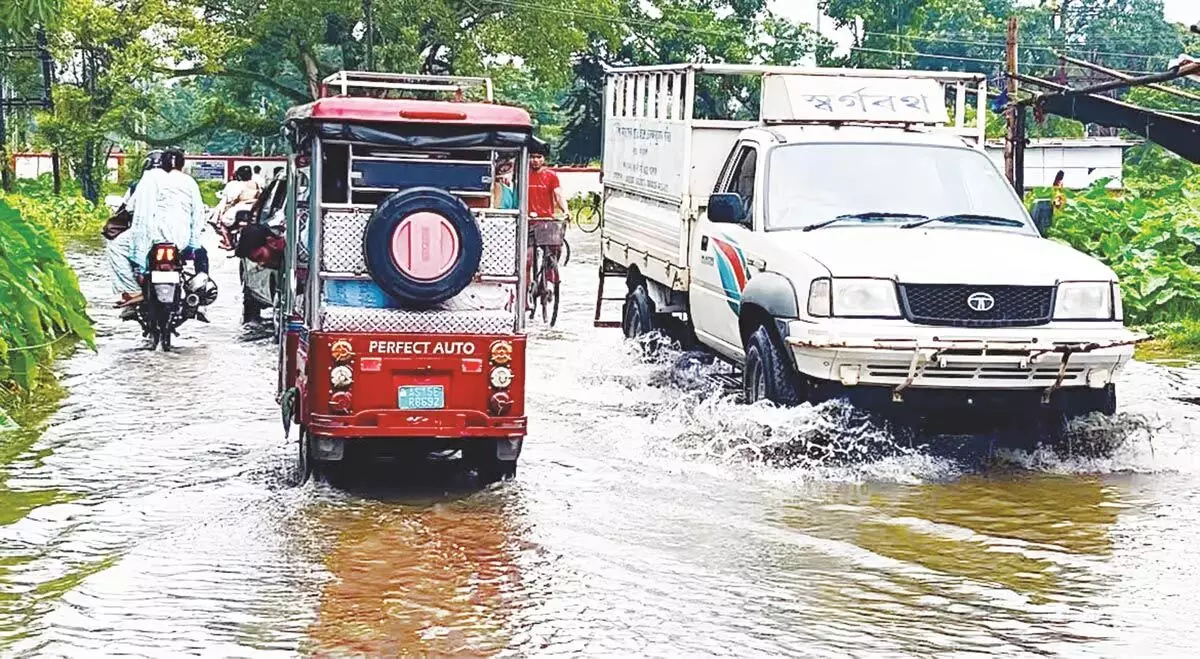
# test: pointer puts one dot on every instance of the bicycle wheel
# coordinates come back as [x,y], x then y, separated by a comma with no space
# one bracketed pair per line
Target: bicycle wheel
[549,291]
[566,252]
[592,225]
[535,284]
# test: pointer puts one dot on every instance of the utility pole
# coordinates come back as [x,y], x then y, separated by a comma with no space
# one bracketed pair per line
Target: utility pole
[370,35]
[5,175]
[1015,135]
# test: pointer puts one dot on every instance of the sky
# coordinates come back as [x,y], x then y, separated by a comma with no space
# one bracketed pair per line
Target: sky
[1178,11]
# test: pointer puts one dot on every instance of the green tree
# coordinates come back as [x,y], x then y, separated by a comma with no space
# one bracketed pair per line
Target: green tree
[675,31]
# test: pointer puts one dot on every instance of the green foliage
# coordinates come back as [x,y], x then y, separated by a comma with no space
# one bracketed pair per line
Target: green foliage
[68,215]
[211,191]
[1148,235]
[40,301]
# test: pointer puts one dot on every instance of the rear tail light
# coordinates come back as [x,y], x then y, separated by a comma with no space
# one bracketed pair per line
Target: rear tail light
[340,402]
[500,403]
[501,353]
[501,377]
[342,351]
[341,377]
[164,257]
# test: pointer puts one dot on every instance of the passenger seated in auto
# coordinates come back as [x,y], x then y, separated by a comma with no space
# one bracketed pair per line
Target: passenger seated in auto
[503,195]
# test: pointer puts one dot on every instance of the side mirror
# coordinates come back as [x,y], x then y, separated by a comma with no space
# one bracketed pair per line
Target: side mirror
[726,208]
[241,217]
[1043,215]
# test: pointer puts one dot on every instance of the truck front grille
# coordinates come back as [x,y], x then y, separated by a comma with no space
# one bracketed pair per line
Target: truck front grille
[960,305]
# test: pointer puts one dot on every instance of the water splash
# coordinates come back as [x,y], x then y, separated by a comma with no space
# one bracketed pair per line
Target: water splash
[691,412]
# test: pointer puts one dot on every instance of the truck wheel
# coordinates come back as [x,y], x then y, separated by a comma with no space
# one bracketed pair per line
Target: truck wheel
[767,375]
[638,315]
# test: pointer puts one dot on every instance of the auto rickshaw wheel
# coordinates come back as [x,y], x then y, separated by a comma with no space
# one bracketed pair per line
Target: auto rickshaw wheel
[422,246]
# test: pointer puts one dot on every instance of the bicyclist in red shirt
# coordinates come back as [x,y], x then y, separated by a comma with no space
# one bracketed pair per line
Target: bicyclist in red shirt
[545,197]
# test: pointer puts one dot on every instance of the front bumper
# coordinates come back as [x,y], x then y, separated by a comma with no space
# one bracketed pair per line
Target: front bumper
[905,357]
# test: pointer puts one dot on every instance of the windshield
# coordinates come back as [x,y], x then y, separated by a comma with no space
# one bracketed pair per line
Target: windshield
[883,183]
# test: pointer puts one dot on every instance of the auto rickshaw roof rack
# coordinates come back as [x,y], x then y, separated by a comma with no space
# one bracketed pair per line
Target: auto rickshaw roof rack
[344,81]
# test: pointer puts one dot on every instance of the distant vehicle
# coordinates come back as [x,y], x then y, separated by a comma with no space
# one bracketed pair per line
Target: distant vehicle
[260,285]
[850,244]
[401,291]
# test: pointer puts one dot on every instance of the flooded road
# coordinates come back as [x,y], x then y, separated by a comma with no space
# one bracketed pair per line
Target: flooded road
[650,517]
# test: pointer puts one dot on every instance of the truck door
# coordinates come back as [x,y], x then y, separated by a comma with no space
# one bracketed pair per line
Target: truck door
[721,268]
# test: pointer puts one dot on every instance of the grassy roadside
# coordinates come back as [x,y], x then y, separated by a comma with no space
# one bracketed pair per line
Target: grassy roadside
[42,311]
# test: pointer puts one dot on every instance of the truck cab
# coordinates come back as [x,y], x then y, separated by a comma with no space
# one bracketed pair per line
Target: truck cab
[854,241]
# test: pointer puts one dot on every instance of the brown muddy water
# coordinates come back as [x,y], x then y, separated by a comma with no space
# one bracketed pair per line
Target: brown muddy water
[651,516]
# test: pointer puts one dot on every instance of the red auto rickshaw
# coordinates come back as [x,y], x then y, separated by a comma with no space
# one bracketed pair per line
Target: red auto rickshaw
[403,282]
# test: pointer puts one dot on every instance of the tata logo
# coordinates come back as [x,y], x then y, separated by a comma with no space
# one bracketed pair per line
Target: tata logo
[981,302]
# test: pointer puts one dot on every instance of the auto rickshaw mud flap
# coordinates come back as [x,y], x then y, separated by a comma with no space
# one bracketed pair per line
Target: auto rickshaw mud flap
[287,406]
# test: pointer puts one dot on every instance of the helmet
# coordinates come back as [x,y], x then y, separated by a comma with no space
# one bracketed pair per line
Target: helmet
[153,160]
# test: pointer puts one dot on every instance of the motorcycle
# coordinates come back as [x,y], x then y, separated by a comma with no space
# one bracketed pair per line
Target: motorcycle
[172,293]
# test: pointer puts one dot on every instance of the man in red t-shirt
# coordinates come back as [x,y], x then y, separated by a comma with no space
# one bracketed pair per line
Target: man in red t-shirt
[545,193]
[545,197]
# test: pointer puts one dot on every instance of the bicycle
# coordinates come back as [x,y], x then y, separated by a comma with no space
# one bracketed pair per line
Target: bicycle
[548,238]
[589,207]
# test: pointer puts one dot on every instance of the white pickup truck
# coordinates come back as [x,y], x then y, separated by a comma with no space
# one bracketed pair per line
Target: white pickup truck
[852,240]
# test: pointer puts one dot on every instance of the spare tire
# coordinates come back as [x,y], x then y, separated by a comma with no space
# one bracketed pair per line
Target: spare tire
[422,246]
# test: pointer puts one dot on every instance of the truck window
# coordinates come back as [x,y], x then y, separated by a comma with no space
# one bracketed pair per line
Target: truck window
[741,179]
[809,183]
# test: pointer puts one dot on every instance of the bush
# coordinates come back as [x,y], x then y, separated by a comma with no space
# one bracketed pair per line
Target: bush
[40,301]
[211,191]
[1148,234]
[68,215]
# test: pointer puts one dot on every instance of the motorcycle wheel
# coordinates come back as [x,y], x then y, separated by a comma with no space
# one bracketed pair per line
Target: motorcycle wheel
[164,326]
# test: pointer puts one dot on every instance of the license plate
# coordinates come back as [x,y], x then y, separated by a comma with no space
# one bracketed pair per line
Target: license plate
[422,397]
[164,277]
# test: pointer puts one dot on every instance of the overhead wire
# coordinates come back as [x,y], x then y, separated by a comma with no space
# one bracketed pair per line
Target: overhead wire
[615,18]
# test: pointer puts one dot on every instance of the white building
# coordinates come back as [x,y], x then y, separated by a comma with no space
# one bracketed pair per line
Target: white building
[1082,161]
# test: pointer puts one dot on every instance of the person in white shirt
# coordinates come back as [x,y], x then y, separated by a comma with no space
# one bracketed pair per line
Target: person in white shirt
[258,177]
[239,194]
[120,250]
[168,208]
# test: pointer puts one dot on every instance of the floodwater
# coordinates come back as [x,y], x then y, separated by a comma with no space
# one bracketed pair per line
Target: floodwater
[651,516]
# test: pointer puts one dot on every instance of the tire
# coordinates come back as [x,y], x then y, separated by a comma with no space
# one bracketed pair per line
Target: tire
[164,313]
[767,374]
[495,470]
[637,315]
[302,468]
[553,309]
[533,291]
[465,248]
[482,459]
[566,253]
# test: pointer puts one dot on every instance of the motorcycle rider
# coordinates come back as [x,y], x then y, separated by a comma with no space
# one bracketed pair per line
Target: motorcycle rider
[239,194]
[167,208]
[120,250]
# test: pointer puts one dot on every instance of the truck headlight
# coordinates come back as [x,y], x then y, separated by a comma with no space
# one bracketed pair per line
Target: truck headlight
[1084,300]
[854,298]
